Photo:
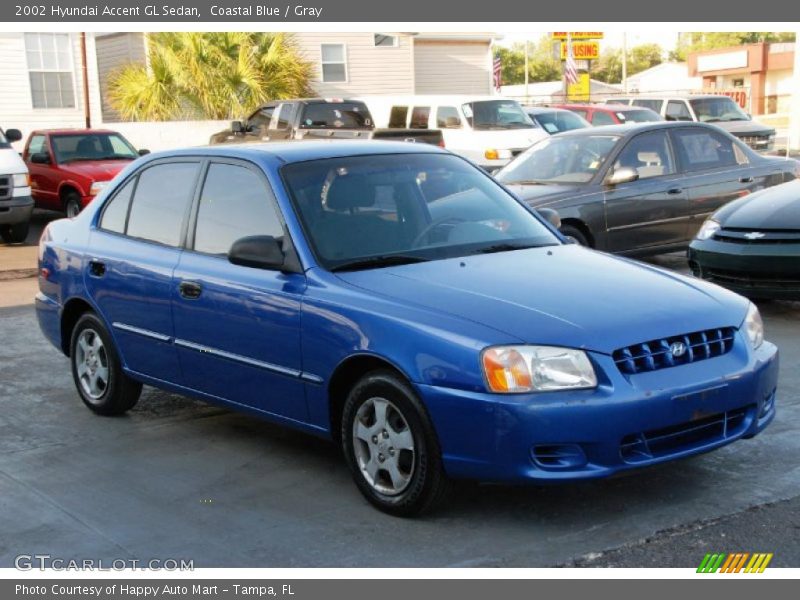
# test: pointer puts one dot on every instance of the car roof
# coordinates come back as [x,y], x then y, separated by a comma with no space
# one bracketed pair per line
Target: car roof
[301,151]
[631,128]
[72,131]
[606,107]
[538,110]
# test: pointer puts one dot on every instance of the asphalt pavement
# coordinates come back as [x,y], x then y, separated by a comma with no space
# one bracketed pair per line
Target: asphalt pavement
[177,478]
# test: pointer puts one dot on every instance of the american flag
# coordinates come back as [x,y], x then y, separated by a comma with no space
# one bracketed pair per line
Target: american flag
[497,72]
[570,66]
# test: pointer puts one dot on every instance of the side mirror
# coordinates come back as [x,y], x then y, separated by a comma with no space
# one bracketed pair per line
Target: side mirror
[257,251]
[551,216]
[41,158]
[237,127]
[144,152]
[622,175]
[13,135]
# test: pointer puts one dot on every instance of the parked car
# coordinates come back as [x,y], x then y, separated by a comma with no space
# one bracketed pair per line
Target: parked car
[317,119]
[555,120]
[487,130]
[752,245]
[642,188]
[380,295]
[611,114]
[720,110]
[16,203]
[69,167]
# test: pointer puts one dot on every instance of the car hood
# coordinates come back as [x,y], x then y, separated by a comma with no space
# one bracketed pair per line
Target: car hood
[774,208]
[504,139]
[542,195]
[744,127]
[560,295]
[100,170]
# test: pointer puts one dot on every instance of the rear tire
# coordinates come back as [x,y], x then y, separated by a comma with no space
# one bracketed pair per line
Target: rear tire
[72,205]
[574,234]
[15,234]
[391,447]
[96,369]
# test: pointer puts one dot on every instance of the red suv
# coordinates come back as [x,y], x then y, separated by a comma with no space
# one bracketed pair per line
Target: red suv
[612,114]
[69,167]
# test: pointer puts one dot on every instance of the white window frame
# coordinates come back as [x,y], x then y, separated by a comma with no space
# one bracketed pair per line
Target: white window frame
[70,70]
[322,63]
[395,37]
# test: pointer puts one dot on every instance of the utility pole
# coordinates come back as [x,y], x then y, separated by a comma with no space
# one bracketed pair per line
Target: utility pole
[625,62]
[794,114]
[526,70]
[87,111]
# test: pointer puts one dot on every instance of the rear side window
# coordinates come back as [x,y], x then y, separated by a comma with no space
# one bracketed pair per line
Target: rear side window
[700,149]
[651,104]
[678,111]
[397,118]
[336,115]
[116,211]
[235,203]
[37,145]
[602,118]
[447,118]
[419,117]
[160,202]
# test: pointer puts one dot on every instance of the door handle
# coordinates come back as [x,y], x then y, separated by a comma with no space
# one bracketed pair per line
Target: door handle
[97,268]
[745,180]
[674,191]
[190,290]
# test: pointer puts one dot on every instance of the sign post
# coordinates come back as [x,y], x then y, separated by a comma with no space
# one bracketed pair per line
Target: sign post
[578,45]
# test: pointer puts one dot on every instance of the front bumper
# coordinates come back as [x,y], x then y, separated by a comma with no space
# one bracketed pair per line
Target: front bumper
[754,270]
[16,209]
[627,422]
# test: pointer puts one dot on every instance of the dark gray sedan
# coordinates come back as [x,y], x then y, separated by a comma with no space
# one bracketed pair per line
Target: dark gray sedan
[642,188]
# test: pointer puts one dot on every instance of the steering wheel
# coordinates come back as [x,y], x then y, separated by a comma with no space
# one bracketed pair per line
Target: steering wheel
[433,225]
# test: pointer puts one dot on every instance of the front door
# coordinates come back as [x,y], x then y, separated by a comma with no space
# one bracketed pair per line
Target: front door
[237,329]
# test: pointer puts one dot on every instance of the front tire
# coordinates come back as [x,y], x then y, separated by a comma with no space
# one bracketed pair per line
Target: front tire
[96,369]
[574,234]
[391,447]
[14,234]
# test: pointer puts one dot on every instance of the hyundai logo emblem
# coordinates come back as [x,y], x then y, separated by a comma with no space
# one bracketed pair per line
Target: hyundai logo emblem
[677,349]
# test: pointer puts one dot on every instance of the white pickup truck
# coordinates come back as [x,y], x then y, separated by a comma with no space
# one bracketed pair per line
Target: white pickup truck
[488,130]
[16,204]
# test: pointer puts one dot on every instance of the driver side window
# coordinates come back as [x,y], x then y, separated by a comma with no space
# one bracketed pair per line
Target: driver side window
[648,154]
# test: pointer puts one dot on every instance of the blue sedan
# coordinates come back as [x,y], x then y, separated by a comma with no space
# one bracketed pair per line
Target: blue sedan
[399,301]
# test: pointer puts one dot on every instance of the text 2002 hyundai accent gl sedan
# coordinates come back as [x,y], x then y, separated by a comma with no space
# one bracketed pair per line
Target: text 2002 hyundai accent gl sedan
[403,303]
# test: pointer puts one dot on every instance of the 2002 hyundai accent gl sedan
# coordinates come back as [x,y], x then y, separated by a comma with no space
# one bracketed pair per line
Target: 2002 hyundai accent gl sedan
[400,301]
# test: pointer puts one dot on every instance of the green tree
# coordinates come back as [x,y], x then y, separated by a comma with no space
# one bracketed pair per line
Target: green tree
[640,58]
[697,41]
[542,64]
[210,75]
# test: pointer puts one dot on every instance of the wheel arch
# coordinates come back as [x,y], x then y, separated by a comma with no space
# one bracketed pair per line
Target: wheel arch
[581,226]
[73,310]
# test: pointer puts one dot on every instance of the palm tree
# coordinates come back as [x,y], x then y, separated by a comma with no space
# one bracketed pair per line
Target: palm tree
[209,75]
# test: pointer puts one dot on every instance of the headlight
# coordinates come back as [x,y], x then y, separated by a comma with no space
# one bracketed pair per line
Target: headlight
[97,187]
[708,229]
[514,369]
[754,326]
[21,179]
[494,154]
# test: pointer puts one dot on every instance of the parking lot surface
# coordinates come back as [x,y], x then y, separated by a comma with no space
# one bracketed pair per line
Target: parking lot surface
[177,478]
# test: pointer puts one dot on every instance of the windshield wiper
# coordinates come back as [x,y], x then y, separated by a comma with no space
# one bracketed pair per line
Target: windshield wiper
[375,262]
[508,247]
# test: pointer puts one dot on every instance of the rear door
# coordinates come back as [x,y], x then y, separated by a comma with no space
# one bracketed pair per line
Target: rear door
[652,211]
[716,171]
[237,329]
[135,250]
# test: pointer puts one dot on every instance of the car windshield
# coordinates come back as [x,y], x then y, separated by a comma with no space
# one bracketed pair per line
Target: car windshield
[339,115]
[496,114]
[92,146]
[560,159]
[641,115]
[722,108]
[371,211]
[558,121]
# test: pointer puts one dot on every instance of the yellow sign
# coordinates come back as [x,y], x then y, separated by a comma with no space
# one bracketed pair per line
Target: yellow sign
[580,91]
[582,50]
[578,35]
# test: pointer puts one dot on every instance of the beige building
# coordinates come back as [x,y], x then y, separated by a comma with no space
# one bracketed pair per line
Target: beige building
[356,64]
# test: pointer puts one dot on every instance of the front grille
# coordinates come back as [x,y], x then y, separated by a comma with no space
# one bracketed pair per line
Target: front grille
[659,443]
[735,235]
[757,142]
[659,354]
[755,281]
[6,187]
